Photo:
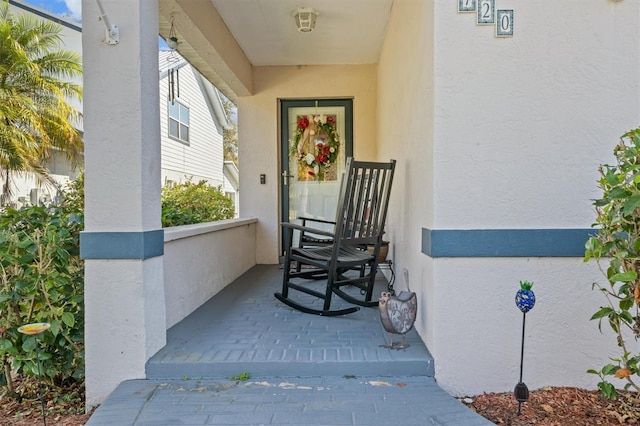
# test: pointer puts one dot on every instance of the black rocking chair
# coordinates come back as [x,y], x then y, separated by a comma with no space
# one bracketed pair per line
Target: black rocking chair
[349,255]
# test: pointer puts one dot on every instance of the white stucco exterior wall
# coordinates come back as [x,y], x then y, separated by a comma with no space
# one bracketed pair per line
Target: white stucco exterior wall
[406,111]
[522,123]
[124,297]
[259,143]
[545,112]
[519,128]
[202,259]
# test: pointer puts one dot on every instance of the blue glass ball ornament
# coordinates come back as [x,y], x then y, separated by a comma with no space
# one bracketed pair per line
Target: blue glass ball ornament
[525,299]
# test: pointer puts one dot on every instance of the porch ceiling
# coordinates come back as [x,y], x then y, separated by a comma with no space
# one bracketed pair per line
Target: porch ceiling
[225,39]
[347,31]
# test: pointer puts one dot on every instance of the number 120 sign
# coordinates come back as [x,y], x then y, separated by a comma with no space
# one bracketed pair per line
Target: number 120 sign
[488,15]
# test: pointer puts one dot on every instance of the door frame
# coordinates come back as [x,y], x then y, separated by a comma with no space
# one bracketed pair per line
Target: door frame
[283,107]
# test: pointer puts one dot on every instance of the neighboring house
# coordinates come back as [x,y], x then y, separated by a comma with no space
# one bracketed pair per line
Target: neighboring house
[192,120]
[232,184]
[191,126]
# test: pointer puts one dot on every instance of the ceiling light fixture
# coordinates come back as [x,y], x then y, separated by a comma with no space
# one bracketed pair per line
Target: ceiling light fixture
[305,18]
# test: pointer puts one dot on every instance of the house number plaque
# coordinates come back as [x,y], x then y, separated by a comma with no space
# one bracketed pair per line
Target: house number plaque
[466,5]
[486,12]
[504,23]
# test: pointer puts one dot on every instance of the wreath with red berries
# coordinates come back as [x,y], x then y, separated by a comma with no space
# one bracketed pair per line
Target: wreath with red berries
[325,150]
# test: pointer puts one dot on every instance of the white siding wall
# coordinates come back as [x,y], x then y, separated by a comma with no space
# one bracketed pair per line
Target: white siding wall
[202,157]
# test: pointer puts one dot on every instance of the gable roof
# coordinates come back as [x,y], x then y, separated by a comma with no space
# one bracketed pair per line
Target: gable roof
[170,59]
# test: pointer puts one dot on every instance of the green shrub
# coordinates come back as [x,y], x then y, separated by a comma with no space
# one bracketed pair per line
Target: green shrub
[188,203]
[42,276]
[41,280]
[617,243]
[72,197]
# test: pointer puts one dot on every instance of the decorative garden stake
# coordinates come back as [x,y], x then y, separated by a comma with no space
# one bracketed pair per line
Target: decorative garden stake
[33,330]
[525,300]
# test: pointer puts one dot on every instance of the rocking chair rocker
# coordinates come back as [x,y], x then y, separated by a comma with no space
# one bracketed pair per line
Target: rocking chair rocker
[349,255]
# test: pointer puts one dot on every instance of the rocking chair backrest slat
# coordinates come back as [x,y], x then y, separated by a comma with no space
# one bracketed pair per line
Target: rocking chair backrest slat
[365,214]
[363,202]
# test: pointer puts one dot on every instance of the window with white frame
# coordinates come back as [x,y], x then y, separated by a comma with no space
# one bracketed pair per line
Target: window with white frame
[178,121]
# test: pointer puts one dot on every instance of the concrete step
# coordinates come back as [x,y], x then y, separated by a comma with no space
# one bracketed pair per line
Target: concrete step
[376,401]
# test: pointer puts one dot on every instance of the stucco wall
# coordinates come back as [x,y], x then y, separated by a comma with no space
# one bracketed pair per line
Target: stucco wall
[522,123]
[258,134]
[200,260]
[406,111]
[122,136]
[519,128]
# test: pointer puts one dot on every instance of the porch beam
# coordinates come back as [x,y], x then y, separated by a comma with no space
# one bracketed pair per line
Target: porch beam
[208,45]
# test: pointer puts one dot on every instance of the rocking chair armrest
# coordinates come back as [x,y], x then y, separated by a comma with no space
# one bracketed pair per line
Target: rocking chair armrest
[307,229]
[311,219]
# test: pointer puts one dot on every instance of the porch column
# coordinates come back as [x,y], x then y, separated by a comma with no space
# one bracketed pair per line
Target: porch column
[123,239]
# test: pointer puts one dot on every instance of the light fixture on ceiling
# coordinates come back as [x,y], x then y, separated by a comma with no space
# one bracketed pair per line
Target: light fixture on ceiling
[305,18]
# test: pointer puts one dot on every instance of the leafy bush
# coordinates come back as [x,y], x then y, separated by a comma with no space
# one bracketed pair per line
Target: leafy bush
[618,241]
[72,197]
[187,203]
[42,276]
[41,280]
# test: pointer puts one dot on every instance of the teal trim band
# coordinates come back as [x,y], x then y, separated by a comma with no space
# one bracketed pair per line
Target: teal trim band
[121,245]
[505,242]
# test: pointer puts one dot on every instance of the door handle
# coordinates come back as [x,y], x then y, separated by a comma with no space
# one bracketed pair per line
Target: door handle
[285,178]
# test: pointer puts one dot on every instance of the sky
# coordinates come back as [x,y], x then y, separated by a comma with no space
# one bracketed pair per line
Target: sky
[71,8]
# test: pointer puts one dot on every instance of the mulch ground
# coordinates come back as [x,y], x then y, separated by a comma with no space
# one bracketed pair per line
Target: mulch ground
[64,404]
[558,406]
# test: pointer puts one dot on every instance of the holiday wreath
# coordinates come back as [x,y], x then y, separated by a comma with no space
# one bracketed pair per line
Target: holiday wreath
[315,146]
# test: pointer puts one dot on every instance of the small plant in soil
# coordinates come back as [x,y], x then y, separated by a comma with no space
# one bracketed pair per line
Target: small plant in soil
[242,377]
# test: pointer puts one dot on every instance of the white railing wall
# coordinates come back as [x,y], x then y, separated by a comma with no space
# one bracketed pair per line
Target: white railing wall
[202,259]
